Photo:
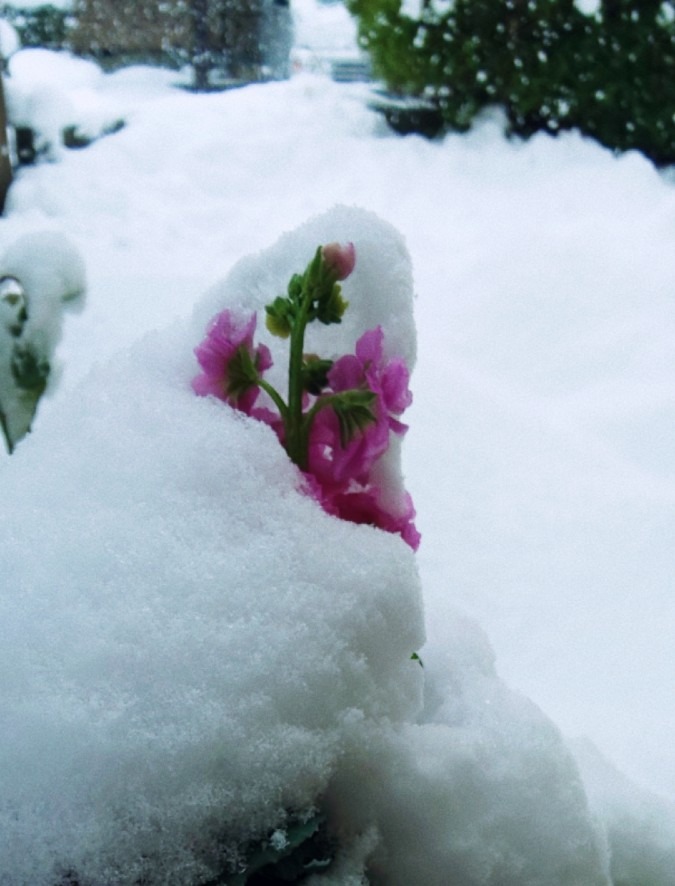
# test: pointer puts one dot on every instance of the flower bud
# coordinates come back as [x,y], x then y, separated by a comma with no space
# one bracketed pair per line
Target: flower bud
[340,259]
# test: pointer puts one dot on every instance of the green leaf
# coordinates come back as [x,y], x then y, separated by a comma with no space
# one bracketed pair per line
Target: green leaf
[29,368]
[306,848]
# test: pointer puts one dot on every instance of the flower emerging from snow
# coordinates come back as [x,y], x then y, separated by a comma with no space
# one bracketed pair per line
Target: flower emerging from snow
[333,459]
[231,365]
[339,417]
[346,470]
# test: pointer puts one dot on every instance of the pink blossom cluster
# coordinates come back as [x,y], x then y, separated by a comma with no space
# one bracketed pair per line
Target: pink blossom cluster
[344,479]
[364,390]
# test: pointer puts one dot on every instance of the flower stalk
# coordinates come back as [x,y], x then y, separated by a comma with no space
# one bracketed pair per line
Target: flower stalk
[338,417]
[316,295]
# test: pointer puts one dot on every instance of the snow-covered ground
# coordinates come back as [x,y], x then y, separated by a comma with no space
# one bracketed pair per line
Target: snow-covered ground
[539,455]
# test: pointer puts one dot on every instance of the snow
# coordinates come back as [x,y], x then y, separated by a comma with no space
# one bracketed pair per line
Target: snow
[176,645]
[325,34]
[323,26]
[9,39]
[588,7]
[191,647]
[51,92]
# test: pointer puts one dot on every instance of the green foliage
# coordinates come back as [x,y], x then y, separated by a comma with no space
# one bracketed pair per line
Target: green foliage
[547,64]
[315,374]
[305,849]
[314,295]
[45,25]
[30,369]
[242,373]
[354,412]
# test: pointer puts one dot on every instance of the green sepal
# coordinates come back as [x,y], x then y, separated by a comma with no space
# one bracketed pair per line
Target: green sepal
[315,374]
[354,412]
[242,373]
[331,308]
[295,287]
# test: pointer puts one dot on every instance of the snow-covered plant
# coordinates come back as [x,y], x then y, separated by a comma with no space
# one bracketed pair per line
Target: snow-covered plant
[338,415]
[13,353]
[42,276]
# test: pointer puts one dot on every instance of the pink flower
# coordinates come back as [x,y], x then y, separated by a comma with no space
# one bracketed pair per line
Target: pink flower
[368,369]
[366,507]
[231,364]
[363,504]
[334,464]
[339,258]
[344,474]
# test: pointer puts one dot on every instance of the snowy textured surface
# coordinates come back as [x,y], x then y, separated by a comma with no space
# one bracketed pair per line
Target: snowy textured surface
[193,648]
[187,639]
[539,457]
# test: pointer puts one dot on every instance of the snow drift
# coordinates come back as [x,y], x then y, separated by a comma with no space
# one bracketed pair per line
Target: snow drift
[194,652]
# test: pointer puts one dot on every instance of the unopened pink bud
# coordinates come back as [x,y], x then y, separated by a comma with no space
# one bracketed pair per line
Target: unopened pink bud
[340,258]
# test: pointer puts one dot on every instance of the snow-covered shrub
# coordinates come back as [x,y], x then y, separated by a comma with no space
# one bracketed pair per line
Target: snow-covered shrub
[45,25]
[9,40]
[52,94]
[548,63]
[41,275]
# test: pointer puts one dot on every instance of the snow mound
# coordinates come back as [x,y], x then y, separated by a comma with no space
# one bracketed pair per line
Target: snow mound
[188,640]
[55,92]
[194,653]
[480,790]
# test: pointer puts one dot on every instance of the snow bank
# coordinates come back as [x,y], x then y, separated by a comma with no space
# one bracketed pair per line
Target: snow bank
[188,641]
[539,454]
[193,650]
[481,790]
[640,827]
[9,39]
[52,92]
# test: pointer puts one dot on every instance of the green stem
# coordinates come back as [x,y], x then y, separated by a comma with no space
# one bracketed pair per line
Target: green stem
[306,424]
[276,397]
[294,442]
[315,281]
